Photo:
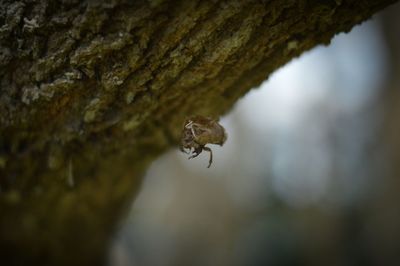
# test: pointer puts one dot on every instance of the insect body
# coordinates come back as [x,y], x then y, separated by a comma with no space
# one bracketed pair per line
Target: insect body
[199,131]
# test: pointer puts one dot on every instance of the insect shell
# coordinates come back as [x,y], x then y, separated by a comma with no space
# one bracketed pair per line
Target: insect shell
[197,132]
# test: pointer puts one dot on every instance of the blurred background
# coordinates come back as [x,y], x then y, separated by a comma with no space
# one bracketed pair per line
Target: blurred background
[309,174]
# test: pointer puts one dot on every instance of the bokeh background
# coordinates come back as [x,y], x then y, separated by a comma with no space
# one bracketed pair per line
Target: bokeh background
[309,174]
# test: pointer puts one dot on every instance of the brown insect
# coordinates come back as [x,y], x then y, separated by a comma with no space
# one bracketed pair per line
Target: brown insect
[199,131]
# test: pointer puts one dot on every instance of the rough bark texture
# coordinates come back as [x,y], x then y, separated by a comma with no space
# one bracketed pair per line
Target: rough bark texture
[92,92]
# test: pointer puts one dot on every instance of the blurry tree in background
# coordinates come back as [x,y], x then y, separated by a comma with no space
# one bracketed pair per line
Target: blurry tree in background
[309,175]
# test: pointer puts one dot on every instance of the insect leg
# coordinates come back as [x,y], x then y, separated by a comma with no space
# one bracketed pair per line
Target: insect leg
[211,156]
[184,150]
[189,124]
[196,152]
[193,133]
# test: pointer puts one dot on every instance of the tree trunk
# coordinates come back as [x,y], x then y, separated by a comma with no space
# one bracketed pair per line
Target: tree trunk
[91,93]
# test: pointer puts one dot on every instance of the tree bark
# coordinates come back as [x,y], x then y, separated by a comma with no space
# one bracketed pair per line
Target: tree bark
[92,92]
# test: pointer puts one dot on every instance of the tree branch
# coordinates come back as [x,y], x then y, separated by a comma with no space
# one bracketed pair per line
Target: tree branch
[92,93]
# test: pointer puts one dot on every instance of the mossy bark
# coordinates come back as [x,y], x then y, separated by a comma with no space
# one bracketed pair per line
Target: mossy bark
[91,93]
